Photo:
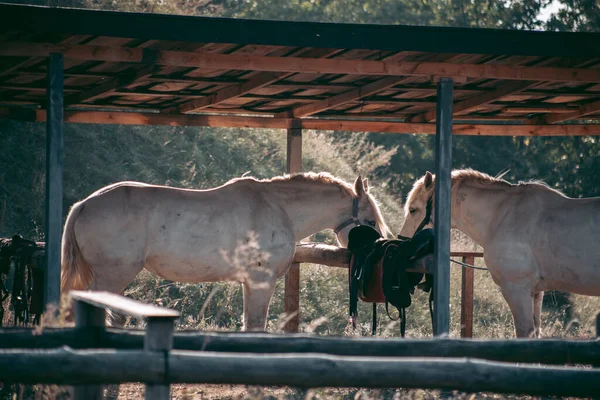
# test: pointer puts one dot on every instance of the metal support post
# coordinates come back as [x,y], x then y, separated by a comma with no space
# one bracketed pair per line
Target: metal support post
[54,178]
[442,212]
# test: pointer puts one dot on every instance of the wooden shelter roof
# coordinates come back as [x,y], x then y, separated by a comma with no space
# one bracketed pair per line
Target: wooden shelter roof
[179,70]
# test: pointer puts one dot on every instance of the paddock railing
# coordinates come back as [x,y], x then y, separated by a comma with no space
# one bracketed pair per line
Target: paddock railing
[333,256]
[90,355]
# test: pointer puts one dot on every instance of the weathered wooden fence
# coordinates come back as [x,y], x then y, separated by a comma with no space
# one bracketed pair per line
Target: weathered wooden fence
[89,356]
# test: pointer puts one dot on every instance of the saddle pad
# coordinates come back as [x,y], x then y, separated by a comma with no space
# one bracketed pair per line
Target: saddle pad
[374,291]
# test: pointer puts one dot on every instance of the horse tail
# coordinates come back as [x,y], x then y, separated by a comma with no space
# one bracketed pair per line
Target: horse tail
[76,272]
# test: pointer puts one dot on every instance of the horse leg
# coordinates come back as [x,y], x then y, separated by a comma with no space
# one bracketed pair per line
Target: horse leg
[114,278]
[520,301]
[537,313]
[257,296]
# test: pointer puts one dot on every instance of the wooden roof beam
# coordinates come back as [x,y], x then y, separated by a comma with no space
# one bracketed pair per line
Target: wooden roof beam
[346,97]
[122,80]
[300,65]
[261,80]
[132,118]
[476,101]
[230,92]
[195,29]
[587,109]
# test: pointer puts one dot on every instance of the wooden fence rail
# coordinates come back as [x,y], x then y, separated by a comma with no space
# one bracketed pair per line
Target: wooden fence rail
[90,310]
[283,360]
[84,367]
[334,256]
[546,351]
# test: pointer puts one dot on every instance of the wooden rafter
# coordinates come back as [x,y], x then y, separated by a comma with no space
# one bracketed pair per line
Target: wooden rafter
[261,80]
[122,80]
[132,118]
[300,65]
[346,97]
[230,92]
[587,109]
[291,85]
[478,100]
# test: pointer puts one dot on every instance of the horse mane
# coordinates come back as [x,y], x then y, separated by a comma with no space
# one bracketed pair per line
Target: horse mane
[482,179]
[308,177]
[327,179]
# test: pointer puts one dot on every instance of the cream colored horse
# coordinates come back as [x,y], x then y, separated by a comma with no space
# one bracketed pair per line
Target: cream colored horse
[534,238]
[243,231]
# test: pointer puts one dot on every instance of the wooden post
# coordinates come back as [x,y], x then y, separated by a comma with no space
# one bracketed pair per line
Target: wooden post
[292,278]
[54,178]
[466,310]
[442,212]
[159,337]
[89,316]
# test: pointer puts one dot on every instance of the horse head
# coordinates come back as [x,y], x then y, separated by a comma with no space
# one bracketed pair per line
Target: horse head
[365,211]
[418,209]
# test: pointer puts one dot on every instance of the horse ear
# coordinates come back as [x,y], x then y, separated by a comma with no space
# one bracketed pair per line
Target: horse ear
[366,184]
[428,179]
[359,186]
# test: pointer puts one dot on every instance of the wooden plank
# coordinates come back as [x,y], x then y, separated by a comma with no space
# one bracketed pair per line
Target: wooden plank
[91,318]
[292,278]
[530,109]
[232,121]
[591,108]
[54,179]
[122,80]
[159,338]
[123,305]
[299,64]
[547,351]
[231,92]
[466,254]
[333,256]
[457,129]
[466,301]
[304,370]
[323,254]
[478,100]
[257,82]
[316,370]
[127,118]
[394,38]
[346,97]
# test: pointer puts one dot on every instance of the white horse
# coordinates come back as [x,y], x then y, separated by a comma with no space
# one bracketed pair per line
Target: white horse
[534,237]
[243,231]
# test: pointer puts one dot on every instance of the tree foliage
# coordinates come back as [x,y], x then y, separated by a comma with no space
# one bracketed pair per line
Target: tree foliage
[571,164]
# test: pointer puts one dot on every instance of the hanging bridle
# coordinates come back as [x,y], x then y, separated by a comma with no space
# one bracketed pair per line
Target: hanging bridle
[352,220]
[425,221]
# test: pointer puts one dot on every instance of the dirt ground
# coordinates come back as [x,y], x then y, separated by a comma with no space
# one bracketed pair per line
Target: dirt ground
[135,391]
[241,392]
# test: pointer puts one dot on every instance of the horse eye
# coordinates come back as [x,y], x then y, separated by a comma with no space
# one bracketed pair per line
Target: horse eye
[412,211]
